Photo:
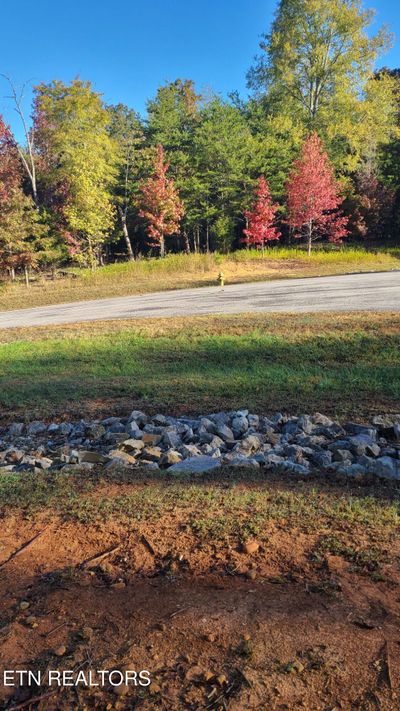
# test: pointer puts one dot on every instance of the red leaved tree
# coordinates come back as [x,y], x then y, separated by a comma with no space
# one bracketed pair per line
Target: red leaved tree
[19,221]
[260,218]
[313,196]
[160,204]
[10,173]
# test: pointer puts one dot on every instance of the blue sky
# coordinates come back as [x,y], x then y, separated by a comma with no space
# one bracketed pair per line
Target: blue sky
[127,48]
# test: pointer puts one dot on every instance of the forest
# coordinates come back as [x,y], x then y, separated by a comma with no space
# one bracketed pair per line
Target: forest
[311,155]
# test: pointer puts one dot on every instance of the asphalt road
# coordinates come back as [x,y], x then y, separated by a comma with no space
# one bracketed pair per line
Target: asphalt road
[379,291]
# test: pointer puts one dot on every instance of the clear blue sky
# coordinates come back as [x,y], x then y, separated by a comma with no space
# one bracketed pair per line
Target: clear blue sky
[127,48]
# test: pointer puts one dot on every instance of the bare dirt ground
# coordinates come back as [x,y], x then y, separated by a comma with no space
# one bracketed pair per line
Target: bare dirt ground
[282,624]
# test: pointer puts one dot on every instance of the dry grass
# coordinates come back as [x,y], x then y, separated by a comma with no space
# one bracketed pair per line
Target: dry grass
[182,271]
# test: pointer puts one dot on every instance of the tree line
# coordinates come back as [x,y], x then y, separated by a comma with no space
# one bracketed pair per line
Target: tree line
[312,153]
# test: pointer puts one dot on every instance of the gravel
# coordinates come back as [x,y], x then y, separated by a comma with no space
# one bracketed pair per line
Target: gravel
[194,445]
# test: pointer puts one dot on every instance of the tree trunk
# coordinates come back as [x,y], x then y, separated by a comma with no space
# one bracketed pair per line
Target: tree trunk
[26,273]
[162,247]
[309,238]
[91,255]
[186,242]
[207,238]
[125,232]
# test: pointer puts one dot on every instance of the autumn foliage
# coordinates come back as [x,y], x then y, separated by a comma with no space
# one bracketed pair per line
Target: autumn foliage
[313,196]
[10,173]
[18,218]
[160,204]
[260,218]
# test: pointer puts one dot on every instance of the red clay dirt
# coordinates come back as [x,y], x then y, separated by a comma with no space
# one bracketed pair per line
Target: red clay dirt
[216,627]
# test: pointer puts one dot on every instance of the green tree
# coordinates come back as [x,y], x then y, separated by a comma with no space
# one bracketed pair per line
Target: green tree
[315,66]
[173,116]
[224,173]
[78,164]
[127,131]
[389,157]
[23,242]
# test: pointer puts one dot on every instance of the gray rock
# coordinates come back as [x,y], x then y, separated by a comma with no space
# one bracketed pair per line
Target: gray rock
[220,418]
[353,470]
[387,425]
[385,468]
[190,450]
[65,429]
[306,424]
[225,433]
[139,417]
[160,420]
[364,444]
[339,444]
[150,465]
[16,429]
[254,421]
[188,435]
[89,457]
[290,427]
[322,459]
[278,419]
[195,465]
[244,463]
[273,460]
[271,436]
[204,436]
[171,439]
[240,425]
[116,428]
[251,443]
[354,428]
[133,430]
[295,468]
[208,425]
[217,442]
[293,452]
[342,455]
[322,420]
[53,428]
[95,431]
[36,428]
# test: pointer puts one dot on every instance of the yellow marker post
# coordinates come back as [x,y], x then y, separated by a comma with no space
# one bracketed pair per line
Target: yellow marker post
[221,279]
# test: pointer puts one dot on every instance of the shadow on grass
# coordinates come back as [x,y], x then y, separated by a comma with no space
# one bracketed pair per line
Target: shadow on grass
[347,373]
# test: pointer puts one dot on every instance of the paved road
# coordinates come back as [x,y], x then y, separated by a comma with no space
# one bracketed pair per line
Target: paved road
[379,291]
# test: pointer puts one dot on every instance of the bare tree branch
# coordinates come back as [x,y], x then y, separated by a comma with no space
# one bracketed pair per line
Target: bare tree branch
[28,163]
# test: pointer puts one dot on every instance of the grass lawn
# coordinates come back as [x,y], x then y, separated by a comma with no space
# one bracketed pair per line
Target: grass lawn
[180,271]
[346,366]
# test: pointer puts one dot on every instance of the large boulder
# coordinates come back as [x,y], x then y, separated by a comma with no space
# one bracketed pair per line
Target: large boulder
[195,465]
